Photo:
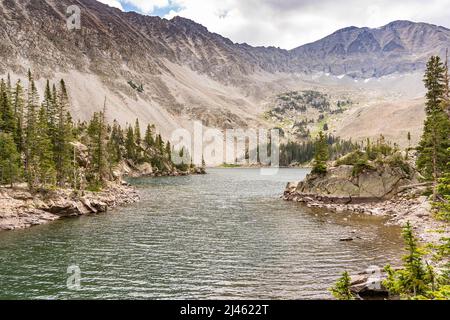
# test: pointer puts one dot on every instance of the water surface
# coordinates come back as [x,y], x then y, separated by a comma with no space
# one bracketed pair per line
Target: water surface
[225,235]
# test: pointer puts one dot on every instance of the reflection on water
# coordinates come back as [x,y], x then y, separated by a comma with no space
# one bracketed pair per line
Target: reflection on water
[226,235]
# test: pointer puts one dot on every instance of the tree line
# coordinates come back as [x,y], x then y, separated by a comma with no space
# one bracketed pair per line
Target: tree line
[40,141]
[304,152]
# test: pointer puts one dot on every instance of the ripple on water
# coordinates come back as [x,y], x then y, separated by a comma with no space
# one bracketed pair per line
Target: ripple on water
[226,235]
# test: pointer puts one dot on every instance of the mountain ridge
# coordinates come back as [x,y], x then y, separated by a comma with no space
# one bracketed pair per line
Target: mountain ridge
[189,73]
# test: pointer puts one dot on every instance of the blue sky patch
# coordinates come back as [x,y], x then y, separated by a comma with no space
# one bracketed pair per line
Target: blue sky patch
[157,12]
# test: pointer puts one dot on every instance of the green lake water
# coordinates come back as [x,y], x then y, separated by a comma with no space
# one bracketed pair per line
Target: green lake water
[225,235]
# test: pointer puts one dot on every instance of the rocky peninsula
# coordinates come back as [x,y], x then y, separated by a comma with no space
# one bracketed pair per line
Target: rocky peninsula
[387,191]
[20,208]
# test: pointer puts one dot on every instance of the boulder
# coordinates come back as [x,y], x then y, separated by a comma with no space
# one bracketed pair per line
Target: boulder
[64,208]
[100,206]
[368,285]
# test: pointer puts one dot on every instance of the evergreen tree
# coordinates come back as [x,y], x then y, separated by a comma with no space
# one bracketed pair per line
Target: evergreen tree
[30,145]
[48,104]
[341,290]
[433,147]
[149,140]
[169,151]
[443,189]
[97,150]
[434,82]
[447,84]
[46,167]
[19,107]
[62,135]
[115,143]
[9,87]
[7,121]
[137,133]
[130,144]
[137,142]
[160,143]
[415,278]
[9,160]
[321,155]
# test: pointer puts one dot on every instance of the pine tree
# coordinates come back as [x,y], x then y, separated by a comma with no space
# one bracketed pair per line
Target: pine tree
[413,260]
[443,189]
[9,160]
[433,147]
[434,82]
[137,142]
[30,145]
[19,106]
[115,143]
[415,278]
[49,108]
[169,151]
[130,144]
[160,143]
[447,84]
[7,121]
[341,290]
[62,135]
[321,155]
[9,87]
[97,150]
[46,167]
[137,133]
[149,140]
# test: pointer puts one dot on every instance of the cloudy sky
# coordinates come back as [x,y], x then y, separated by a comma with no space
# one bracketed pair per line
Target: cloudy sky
[289,23]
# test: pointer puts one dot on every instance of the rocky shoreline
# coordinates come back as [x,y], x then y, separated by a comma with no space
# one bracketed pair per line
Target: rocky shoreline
[20,209]
[386,191]
[399,210]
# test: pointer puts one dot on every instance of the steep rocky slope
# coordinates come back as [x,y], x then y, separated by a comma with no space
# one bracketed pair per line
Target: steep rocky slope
[188,73]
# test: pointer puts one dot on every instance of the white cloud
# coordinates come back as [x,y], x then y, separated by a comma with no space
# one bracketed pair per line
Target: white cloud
[290,23]
[112,3]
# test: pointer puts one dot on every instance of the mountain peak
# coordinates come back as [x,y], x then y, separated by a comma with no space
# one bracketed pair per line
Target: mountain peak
[400,23]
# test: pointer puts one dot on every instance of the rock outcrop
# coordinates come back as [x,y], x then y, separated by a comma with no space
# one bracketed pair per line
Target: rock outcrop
[341,184]
[21,209]
[385,192]
[129,169]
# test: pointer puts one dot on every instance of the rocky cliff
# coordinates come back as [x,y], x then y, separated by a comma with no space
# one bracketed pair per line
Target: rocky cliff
[342,184]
